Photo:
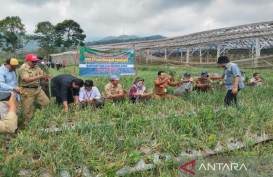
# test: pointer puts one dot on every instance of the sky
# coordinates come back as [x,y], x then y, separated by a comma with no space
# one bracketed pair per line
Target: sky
[170,18]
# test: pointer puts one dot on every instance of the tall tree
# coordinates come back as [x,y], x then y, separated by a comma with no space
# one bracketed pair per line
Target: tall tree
[45,35]
[69,33]
[12,34]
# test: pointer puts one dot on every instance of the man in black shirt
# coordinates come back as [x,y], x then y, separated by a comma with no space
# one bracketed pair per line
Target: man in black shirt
[65,88]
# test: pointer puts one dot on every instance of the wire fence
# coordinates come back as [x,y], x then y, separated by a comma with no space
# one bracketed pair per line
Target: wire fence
[141,58]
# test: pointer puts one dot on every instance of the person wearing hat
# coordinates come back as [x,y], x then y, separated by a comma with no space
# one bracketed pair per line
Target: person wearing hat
[30,77]
[113,90]
[138,91]
[90,94]
[233,80]
[8,78]
[161,84]
[8,116]
[65,88]
[203,83]
[186,85]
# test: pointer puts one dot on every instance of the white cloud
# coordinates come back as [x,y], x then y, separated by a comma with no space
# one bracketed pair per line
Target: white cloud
[143,17]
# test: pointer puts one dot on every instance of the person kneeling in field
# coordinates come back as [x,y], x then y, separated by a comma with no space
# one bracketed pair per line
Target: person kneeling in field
[8,121]
[89,94]
[65,88]
[203,83]
[138,91]
[187,85]
[113,90]
[161,84]
[256,81]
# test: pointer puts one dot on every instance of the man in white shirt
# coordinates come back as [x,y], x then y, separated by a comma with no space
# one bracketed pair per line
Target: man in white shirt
[256,81]
[89,94]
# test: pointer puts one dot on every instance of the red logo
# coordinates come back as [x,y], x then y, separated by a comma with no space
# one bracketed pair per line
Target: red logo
[188,170]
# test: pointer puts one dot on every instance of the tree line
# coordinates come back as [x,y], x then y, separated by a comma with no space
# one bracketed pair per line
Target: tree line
[49,37]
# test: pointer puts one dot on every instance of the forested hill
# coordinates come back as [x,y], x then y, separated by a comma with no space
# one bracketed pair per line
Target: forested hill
[123,38]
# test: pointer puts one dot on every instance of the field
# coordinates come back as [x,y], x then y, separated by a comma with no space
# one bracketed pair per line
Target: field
[103,141]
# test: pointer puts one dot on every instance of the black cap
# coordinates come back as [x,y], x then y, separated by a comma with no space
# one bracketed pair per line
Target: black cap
[223,59]
[40,57]
[88,83]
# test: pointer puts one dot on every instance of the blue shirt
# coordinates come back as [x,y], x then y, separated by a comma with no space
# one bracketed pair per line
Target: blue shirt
[232,70]
[8,80]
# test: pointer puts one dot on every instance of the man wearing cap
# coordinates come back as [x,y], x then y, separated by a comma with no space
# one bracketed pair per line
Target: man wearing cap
[138,91]
[203,83]
[187,85]
[113,90]
[8,116]
[233,80]
[161,84]
[30,78]
[8,78]
[65,88]
[90,94]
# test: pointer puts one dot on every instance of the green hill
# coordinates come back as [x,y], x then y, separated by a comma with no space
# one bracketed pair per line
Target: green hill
[123,38]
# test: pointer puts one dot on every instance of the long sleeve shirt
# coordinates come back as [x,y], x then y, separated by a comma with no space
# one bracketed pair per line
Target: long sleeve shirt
[8,79]
[134,89]
[160,87]
[62,87]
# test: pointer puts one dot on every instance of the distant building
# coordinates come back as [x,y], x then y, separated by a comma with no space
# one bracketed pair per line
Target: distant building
[70,58]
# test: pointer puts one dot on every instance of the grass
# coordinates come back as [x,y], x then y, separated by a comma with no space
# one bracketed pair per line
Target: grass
[107,139]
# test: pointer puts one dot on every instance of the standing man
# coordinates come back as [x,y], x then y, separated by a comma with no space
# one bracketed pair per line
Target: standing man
[44,83]
[233,80]
[8,78]
[8,116]
[30,79]
[65,88]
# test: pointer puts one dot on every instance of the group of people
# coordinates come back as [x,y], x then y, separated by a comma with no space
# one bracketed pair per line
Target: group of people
[56,64]
[69,89]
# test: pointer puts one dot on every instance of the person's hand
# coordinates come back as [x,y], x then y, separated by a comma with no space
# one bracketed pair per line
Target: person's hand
[65,109]
[18,90]
[83,101]
[45,76]
[234,90]
[92,101]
